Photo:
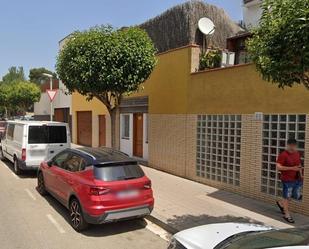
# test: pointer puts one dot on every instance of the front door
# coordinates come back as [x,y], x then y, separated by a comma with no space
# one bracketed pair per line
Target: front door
[84,128]
[138,134]
[102,130]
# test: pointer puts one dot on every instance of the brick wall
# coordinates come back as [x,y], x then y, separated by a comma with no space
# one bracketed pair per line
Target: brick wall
[172,148]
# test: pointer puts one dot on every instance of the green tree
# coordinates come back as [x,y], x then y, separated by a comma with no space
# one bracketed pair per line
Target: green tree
[106,63]
[4,98]
[280,45]
[36,75]
[23,94]
[14,74]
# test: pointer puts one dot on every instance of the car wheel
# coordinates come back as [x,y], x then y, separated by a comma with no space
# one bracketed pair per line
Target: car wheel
[76,216]
[41,185]
[17,170]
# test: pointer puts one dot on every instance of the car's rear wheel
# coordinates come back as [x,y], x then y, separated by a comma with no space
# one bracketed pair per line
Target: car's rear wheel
[41,185]
[76,215]
[17,170]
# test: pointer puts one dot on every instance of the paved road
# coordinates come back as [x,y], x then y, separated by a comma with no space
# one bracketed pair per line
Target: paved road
[29,221]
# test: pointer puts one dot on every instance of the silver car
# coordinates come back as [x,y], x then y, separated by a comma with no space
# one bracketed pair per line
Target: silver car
[240,236]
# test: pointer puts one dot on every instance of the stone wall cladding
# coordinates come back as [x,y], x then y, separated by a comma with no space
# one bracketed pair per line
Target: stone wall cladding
[172,148]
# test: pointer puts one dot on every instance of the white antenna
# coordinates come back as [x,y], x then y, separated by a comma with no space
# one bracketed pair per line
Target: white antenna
[207,27]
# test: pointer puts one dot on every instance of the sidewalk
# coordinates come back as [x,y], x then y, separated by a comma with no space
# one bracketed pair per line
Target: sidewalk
[181,204]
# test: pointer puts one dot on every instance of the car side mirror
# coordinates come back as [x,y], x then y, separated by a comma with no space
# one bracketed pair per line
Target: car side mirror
[50,163]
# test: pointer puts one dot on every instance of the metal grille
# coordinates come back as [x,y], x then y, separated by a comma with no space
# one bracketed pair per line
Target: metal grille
[277,129]
[218,148]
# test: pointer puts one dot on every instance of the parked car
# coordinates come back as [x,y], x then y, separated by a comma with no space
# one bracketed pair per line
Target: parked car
[240,236]
[97,185]
[28,143]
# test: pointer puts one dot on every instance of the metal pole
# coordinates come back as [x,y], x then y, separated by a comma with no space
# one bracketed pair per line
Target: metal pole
[51,102]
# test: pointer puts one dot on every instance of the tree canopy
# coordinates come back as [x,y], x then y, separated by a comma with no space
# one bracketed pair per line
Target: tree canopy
[14,74]
[105,63]
[23,94]
[36,75]
[280,45]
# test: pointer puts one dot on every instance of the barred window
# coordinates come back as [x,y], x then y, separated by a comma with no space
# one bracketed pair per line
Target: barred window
[277,129]
[218,148]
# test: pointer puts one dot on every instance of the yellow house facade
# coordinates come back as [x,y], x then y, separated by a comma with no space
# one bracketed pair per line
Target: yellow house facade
[222,127]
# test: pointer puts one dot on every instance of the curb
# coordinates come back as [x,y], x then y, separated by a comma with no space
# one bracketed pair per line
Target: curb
[162,224]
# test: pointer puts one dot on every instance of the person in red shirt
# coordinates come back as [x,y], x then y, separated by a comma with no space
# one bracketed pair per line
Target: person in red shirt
[289,164]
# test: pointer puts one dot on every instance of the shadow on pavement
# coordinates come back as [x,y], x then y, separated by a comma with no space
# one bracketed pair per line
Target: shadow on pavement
[24,174]
[103,230]
[260,207]
[188,221]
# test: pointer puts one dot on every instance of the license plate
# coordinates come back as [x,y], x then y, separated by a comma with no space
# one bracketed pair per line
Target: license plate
[127,194]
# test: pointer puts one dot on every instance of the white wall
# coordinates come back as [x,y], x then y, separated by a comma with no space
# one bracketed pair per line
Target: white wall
[43,106]
[62,100]
[145,142]
[252,13]
[126,145]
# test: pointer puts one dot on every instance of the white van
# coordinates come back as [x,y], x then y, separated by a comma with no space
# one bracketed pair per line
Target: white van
[28,143]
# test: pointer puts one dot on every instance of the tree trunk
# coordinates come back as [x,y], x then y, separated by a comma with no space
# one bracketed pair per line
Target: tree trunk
[113,116]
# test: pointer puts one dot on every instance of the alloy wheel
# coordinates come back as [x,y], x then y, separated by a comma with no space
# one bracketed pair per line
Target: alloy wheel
[75,214]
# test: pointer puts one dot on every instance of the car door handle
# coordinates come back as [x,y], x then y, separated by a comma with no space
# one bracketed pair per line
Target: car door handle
[52,151]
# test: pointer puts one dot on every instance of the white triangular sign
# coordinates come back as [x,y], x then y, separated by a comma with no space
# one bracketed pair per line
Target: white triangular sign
[51,94]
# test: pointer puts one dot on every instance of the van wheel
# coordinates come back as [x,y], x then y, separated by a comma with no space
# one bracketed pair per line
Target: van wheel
[41,185]
[76,216]
[17,170]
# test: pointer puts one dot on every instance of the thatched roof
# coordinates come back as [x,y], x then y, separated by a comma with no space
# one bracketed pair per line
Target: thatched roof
[178,26]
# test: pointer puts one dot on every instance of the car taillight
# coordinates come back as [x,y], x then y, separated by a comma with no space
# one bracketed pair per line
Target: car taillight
[99,191]
[23,154]
[147,185]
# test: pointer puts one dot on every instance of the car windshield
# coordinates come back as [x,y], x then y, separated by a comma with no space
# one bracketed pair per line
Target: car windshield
[47,134]
[124,171]
[267,239]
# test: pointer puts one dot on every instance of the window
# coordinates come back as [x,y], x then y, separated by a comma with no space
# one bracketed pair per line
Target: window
[277,129]
[47,134]
[60,159]
[118,172]
[218,148]
[10,131]
[125,132]
[74,163]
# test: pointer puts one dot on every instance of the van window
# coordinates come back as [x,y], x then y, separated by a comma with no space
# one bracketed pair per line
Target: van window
[18,133]
[10,131]
[47,134]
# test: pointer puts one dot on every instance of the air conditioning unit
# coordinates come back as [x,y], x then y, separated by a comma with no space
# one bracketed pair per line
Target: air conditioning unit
[228,59]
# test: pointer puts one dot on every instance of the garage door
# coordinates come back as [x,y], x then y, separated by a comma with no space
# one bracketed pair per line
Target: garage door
[84,128]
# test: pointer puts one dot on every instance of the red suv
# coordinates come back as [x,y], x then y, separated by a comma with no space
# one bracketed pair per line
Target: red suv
[96,185]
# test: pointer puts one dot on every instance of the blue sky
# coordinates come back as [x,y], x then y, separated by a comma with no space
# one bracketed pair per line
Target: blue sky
[30,30]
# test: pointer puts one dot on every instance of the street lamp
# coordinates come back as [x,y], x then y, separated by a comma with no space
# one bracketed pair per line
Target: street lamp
[50,88]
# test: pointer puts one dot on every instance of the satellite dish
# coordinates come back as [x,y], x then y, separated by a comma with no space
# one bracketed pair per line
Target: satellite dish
[206,26]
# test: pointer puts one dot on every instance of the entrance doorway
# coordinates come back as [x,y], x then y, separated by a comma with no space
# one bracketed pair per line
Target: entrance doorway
[138,134]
